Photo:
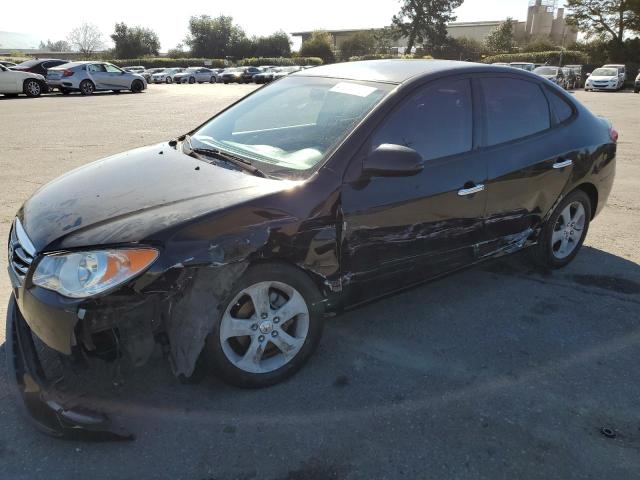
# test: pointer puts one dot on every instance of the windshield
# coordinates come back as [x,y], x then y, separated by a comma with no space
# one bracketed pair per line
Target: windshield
[291,126]
[546,71]
[604,72]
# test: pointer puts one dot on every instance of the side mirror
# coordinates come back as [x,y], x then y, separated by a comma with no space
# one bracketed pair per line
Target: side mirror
[393,161]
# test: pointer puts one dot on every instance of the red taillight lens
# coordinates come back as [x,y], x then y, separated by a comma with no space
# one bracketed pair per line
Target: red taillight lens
[613,133]
[67,73]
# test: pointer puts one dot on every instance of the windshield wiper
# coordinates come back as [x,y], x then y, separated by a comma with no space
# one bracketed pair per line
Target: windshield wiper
[227,157]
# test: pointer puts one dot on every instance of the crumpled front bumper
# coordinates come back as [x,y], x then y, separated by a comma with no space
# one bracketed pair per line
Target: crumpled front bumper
[34,392]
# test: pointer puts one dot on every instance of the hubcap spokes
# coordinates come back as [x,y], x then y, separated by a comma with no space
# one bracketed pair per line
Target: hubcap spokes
[568,230]
[272,334]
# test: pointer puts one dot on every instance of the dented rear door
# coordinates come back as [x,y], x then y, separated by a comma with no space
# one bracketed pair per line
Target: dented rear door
[529,163]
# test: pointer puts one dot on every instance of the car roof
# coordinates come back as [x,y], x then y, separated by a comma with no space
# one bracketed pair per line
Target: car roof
[395,70]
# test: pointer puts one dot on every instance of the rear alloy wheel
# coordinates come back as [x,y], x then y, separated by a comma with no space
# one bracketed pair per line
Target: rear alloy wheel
[192,80]
[87,87]
[564,233]
[32,88]
[269,328]
[137,86]
[212,80]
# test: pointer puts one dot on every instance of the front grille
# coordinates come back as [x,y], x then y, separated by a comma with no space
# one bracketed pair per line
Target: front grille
[21,250]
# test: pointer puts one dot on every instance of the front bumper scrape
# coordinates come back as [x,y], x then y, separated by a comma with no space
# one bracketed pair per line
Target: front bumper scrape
[33,391]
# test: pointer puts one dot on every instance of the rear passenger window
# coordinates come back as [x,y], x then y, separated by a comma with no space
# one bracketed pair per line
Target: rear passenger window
[514,109]
[437,121]
[562,110]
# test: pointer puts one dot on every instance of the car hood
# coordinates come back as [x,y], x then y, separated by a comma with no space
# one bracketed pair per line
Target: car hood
[130,196]
[603,79]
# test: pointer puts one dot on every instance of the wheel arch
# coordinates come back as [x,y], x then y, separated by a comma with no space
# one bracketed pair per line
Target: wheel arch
[318,280]
[592,192]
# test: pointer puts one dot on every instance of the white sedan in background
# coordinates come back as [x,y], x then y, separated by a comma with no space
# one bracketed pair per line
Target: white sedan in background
[604,79]
[14,82]
[165,76]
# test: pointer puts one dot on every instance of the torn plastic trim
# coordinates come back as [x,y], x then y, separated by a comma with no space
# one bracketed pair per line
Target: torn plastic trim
[33,391]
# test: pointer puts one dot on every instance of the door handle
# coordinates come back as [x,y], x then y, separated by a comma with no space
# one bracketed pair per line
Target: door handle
[562,164]
[470,191]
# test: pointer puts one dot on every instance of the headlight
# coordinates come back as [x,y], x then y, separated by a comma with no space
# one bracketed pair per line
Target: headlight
[84,274]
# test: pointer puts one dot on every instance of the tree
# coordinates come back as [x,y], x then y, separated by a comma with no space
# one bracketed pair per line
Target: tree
[501,39]
[277,44]
[177,52]
[214,37]
[134,42]
[319,45]
[425,21]
[59,46]
[86,39]
[358,44]
[463,49]
[610,19]
[542,45]
[385,39]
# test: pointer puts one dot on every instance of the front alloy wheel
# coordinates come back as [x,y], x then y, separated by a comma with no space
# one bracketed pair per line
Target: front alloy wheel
[269,327]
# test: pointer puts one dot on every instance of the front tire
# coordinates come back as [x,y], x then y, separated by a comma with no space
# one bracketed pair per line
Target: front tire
[192,80]
[564,233]
[32,88]
[169,80]
[87,87]
[270,326]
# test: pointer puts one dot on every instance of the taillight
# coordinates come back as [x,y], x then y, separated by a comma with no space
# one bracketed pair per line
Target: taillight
[67,73]
[613,133]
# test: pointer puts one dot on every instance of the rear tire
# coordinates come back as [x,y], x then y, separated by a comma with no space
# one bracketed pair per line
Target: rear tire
[87,87]
[564,233]
[169,80]
[212,80]
[192,80]
[247,345]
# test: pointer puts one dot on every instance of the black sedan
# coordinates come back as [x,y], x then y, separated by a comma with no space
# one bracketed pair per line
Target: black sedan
[327,189]
[39,65]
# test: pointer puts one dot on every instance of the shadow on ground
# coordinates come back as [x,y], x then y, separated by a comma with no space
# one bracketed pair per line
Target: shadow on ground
[502,371]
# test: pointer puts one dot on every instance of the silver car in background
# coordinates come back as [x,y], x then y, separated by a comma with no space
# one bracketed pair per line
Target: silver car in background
[88,77]
[195,74]
[165,76]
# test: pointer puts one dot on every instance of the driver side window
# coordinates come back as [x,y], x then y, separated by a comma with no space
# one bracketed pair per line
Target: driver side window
[436,121]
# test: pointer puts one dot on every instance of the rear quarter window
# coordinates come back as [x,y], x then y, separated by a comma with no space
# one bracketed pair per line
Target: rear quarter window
[514,109]
[561,109]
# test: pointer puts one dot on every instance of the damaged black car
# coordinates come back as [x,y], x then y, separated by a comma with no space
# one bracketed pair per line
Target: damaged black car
[327,189]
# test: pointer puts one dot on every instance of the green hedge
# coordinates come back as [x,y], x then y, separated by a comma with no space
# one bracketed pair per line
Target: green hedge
[553,57]
[152,62]
[279,61]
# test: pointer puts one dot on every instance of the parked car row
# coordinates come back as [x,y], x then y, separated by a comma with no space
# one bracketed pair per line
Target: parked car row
[40,75]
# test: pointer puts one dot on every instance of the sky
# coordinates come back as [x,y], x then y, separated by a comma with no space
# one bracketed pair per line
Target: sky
[170,19]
